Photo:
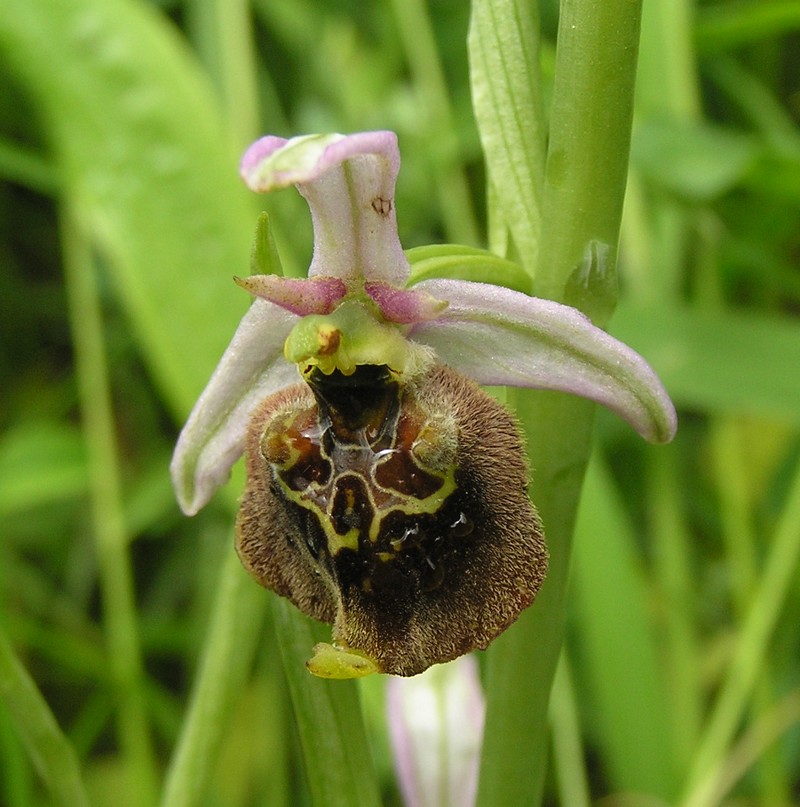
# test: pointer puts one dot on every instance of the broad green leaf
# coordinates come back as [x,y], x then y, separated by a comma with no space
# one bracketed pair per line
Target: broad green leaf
[142,152]
[40,462]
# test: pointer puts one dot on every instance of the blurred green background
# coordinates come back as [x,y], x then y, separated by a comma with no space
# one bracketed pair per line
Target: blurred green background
[121,224]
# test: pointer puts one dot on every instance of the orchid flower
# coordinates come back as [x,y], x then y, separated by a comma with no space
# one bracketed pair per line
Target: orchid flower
[387,493]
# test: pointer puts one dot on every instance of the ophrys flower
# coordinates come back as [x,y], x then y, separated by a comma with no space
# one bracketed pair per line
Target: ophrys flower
[387,493]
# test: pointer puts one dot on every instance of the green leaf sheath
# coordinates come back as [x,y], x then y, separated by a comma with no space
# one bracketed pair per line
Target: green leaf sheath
[506,95]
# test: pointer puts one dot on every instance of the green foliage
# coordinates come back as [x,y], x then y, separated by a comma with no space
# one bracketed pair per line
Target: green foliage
[140,649]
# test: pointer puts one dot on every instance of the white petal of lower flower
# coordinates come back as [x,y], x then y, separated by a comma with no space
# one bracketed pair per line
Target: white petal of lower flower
[436,729]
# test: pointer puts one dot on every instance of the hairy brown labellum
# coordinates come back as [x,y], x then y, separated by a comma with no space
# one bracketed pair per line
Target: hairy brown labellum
[397,512]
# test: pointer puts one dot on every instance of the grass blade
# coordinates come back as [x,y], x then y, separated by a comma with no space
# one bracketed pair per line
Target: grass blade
[48,747]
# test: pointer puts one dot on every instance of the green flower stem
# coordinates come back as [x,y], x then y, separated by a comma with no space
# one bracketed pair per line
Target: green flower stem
[583,190]
[49,749]
[521,663]
[116,581]
[587,159]
[227,656]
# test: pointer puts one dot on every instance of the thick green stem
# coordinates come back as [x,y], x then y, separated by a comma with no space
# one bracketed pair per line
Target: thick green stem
[587,159]
[583,190]
[522,662]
